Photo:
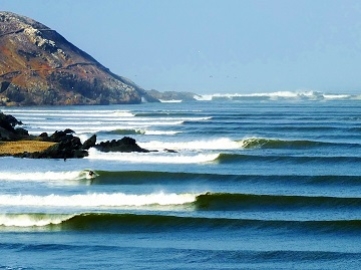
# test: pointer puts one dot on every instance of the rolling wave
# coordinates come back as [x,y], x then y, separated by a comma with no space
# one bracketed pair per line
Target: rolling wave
[133,223]
[227,201]
[32,220]
[41,176]
[250,143]
[141,132]
[156,177]
[236,158]
[280,95]
[201,202]
[159,157]
[92,200]
[124,131]
[149,177]
[215,144]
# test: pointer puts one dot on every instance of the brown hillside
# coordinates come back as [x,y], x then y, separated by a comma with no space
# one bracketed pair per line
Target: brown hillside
[40,67]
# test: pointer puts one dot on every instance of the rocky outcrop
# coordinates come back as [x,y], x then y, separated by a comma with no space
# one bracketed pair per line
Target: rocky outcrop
[65,146]
[8,132]
[40,67]
[126,144]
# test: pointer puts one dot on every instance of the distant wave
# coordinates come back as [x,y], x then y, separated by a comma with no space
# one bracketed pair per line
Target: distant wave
[156,157]
[132,223]
[280,95]
[295,159]
[249,143]
[142,132]
[125,131]
[167,113]
[70,113]
[171,101]
[212,144]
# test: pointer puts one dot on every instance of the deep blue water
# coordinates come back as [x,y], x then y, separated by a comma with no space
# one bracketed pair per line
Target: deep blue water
[257,183]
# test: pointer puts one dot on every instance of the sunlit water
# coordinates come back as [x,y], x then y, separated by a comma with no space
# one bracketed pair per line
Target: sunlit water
[252,182]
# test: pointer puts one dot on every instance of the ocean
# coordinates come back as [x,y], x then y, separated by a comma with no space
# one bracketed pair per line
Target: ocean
[258,181]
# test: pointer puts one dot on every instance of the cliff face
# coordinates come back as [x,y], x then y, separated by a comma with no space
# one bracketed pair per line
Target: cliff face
[40,67]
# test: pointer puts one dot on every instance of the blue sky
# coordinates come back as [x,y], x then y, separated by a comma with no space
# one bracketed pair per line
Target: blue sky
[207,46]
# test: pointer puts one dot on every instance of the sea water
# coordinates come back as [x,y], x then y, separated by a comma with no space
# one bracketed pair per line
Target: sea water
[261,181]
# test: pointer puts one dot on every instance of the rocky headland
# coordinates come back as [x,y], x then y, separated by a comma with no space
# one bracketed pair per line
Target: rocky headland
[38,66]
[16,141]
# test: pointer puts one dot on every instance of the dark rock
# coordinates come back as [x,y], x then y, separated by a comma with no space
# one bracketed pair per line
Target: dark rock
[43,136]
[125,144]
[7,130]
[57,136]
[69,131]
[21,132]
[90,142]
[6,135]
[67,146]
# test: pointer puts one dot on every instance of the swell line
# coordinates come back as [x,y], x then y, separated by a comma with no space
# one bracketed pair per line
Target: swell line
[265,143]
[156,177]
[228,201]
[102,177]
[133,223]
[229,158]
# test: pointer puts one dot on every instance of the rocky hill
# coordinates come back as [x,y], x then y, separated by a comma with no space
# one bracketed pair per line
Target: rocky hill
[38,66]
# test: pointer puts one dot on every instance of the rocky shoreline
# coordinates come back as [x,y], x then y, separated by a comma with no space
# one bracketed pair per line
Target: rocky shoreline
[59,145]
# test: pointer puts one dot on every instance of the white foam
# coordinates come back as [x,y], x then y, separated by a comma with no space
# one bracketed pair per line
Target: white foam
[215,144]
[69,113]
[171,101]
[39,176]
[280,95]
[98,200]
[156,157]
[31,220]
[161,132]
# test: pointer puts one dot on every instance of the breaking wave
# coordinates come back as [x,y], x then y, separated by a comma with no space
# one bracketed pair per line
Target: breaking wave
[156,157]
[280,95]
[98,200]
[133,223]
[216,144]
[41,176]
[249,143]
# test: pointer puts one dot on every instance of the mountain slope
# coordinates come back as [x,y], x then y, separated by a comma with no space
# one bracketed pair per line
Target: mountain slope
[40,67]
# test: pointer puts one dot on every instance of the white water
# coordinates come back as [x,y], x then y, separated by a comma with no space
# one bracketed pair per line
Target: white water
[281,95]
[97,200]
[215,144]
[39,176]
[157,157]
[31,220]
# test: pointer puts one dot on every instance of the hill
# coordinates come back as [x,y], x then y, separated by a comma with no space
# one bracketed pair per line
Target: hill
[38,66]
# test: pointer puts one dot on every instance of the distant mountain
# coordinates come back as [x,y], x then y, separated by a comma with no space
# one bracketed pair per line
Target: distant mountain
[38,66]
